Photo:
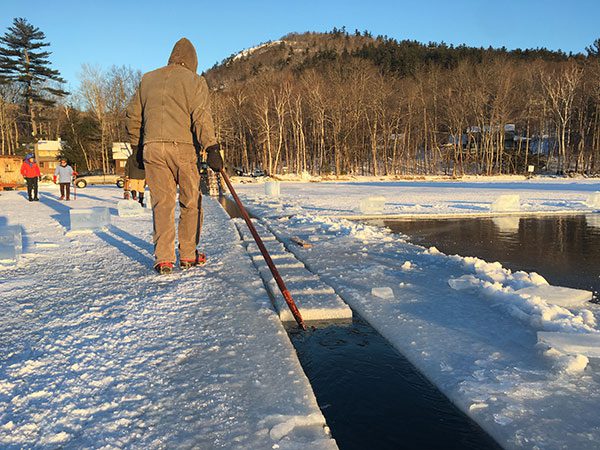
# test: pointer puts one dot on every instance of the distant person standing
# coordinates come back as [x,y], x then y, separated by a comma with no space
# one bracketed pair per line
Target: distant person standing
[31,172]
[135,177]
[64,174]
[168,114]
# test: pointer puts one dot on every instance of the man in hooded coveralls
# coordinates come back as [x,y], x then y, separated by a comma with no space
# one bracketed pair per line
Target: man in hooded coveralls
[168,114]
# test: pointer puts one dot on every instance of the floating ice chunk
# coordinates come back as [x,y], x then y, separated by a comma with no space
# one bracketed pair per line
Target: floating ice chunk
[556,295]
[383,292]
[272,188]
[507,202]
[407,266]
[372,205]
[593,201]
[89,218]
[476,406]
[587,344]
[568,363]
[11,243]
[128,208]
[463,283]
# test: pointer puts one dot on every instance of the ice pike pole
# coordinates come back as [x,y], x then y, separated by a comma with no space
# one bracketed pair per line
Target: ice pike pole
[284,291]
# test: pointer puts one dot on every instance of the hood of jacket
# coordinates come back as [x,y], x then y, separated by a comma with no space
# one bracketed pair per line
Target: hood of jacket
[184,54]
[28,156]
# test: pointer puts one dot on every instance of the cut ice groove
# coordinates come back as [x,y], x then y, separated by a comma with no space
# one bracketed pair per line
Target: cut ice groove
[315,299]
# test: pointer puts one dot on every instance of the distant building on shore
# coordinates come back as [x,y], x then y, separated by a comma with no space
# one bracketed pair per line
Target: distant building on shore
[120,152]
[47,154]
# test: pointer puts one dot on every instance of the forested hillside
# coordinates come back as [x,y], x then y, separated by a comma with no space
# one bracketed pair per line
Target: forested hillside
[335,103]
[346,103]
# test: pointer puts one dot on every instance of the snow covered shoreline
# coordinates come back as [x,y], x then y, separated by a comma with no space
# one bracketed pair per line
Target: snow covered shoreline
[477,343]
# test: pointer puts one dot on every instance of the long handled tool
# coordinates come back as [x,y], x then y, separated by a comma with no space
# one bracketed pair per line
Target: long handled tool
[286,294]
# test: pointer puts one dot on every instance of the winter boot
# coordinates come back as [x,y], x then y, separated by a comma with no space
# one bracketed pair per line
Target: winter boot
[141,198]
[189,263]
[164,268]
[134,195]
[125,195]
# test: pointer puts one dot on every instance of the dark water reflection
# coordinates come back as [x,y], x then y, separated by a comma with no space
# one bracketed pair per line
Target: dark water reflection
[563,249]
[373,398]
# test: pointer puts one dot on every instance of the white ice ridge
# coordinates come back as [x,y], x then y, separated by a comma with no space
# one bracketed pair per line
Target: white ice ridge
[315,299]
[557,295]
[526,296]
[587,344]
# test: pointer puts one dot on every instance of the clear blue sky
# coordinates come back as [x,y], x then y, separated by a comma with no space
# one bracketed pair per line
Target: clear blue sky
[141,34]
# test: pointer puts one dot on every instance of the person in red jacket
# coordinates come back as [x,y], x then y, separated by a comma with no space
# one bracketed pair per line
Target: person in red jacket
[31,172]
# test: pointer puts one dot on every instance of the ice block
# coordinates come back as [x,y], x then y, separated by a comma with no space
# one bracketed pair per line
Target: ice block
[272,188]
[89,218]
[11,243]
[507,203]
[129,208]
[372,205]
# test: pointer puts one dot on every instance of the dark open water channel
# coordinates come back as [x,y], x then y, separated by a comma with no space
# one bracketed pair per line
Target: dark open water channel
[371,396]
[563,249]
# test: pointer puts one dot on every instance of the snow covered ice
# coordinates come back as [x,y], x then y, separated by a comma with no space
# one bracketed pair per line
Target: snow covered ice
[459,320]
[89,218]
[96,351]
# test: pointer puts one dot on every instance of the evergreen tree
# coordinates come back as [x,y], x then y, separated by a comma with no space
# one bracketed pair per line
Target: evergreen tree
[23,61]
[594,49]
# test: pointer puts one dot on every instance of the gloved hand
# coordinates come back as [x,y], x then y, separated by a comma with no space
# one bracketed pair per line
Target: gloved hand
[54,179]
[213,158]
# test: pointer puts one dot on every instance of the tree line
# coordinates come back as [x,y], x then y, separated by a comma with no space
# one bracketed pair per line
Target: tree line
[34,104]
[386,108]
[335,103]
